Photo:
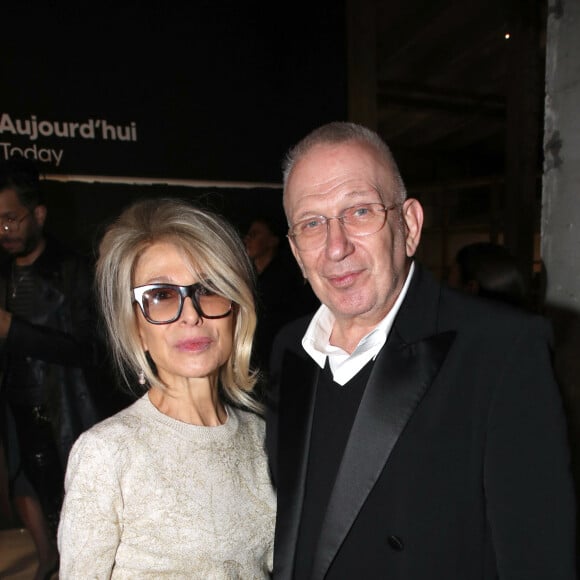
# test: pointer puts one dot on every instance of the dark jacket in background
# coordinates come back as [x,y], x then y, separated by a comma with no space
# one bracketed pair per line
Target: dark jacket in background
[60,344]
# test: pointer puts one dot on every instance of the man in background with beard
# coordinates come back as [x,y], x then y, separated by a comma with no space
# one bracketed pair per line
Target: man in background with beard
[47,344]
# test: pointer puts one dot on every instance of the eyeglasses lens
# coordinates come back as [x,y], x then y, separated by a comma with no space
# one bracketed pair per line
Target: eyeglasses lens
[163,303]
[360,220]
[212,304]
[12,224]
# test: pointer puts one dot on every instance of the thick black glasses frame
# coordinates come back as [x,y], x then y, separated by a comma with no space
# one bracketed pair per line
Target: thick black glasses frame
[192,291]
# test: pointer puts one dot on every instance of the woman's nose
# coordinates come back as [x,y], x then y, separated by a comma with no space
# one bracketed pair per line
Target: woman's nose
[189,312]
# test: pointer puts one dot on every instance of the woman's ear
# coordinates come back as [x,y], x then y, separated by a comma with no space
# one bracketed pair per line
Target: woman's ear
[142,334]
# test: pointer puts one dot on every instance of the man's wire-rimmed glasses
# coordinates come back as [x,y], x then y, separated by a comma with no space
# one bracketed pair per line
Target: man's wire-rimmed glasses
[11,224]
[163,303]
[359,220]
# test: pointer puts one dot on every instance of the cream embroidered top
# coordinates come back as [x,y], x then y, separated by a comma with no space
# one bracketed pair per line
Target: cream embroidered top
[148,496]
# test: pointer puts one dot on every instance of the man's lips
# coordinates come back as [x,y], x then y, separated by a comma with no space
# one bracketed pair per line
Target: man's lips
[343,280]
[194,344]
[8,242]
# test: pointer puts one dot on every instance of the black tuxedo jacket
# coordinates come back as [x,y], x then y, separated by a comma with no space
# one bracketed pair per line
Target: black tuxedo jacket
[457,464]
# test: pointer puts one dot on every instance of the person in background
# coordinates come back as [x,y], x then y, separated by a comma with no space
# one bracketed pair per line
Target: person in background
[48,353]
[414,432]
[282,293]
[489,270]
[177,484]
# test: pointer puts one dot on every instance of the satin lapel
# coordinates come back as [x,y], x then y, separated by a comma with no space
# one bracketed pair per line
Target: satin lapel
[297,394]
[400,377]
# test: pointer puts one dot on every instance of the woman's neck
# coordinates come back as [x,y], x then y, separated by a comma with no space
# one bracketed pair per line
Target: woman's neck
[198,403]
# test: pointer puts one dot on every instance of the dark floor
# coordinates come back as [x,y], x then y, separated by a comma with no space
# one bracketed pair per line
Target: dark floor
[17,555]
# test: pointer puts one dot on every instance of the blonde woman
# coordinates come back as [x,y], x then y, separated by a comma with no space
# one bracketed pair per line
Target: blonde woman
[177,484]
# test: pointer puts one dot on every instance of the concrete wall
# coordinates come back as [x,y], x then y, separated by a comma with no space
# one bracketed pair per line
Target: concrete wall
[561,200]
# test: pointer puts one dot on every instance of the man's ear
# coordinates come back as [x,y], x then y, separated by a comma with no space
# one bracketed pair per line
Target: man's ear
[297,256]
[413,218]
[40,214]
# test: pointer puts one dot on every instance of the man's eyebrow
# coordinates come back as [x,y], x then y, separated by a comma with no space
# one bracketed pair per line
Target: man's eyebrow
[350,198]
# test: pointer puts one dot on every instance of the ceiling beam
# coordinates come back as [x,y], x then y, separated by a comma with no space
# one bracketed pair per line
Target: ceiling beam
[415,97]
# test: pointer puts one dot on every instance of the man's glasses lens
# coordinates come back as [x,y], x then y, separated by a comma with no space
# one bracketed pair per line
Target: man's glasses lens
[12,224]
[359,220]
[163,303]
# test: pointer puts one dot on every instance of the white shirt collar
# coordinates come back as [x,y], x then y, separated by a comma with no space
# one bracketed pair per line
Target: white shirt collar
[343,365]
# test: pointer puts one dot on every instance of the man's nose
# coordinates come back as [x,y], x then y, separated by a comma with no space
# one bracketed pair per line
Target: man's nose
[338,243]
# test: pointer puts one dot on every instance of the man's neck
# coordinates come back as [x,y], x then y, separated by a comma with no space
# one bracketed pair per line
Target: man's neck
[31,257]
[348,336]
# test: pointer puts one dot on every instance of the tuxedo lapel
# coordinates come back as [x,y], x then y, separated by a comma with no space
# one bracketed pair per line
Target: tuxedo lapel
[296,407]
[400,377]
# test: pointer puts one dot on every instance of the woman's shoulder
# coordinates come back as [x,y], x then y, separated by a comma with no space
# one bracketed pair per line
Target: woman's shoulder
[249,421]
[118,427]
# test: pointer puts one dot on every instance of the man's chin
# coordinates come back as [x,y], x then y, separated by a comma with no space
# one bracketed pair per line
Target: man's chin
[349,306]
[12,247]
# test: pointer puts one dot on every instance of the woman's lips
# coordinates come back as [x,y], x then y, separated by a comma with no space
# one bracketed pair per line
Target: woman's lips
[194,344]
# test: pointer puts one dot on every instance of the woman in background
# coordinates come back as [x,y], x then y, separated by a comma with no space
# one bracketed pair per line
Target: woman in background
[177,484]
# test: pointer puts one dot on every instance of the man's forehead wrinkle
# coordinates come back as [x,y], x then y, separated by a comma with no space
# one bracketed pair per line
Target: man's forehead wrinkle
[348,185]
[328,185]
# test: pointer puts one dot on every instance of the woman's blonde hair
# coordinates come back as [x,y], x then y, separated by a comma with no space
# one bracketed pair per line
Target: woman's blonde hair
[215,252]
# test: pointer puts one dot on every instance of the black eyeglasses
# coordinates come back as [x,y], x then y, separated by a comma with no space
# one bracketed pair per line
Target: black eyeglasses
[360,220]
[163,303]
[12,224]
